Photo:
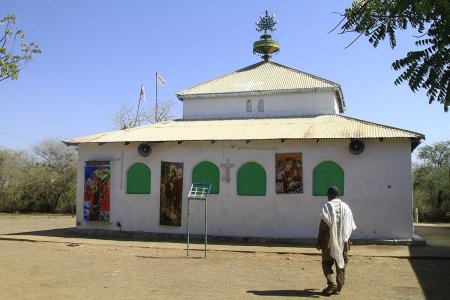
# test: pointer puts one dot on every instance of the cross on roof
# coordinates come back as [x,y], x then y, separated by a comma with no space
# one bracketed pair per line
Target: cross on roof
[248,85]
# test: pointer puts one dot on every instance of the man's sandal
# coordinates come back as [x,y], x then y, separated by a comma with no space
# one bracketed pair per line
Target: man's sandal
[336,292]
[329,289]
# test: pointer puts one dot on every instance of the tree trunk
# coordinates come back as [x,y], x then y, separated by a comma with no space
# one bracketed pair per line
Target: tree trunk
[440,199]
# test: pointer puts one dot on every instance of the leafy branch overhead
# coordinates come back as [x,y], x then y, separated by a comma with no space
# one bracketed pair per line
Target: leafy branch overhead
[10,63]
[427,68]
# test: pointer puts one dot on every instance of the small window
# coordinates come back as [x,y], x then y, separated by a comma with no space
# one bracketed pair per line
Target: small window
[261,105]
[251,180]
[138,179]
[325,175]
[208,172]
[249,105]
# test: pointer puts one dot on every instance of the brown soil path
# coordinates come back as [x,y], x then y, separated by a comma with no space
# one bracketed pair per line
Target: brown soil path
[57,266]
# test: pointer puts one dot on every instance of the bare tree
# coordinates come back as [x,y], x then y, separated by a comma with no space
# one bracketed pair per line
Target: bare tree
[55,154]
[54,172]
[164,113]
[124,117]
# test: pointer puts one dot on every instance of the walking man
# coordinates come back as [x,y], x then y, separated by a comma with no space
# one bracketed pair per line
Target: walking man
[336,226]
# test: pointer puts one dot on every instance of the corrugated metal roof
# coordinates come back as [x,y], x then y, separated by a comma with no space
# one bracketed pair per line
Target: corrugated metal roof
[261,77]
[307,127]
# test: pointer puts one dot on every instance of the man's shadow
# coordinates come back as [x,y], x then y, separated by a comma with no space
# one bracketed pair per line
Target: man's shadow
[308,293]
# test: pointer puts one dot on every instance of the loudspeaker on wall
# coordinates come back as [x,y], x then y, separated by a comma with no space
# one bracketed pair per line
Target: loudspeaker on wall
[356,147]
[144,150]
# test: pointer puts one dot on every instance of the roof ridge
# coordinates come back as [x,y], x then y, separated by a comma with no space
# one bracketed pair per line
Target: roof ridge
[223,76]
[305,73]
[192,90]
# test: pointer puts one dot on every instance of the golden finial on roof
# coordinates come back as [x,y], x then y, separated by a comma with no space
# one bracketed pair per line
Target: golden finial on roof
[266,45]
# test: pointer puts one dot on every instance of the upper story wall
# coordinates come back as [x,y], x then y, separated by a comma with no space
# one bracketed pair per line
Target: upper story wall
[281,105]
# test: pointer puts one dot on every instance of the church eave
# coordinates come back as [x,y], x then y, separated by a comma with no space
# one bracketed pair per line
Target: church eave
[257,93]
[320,127]
[415,142]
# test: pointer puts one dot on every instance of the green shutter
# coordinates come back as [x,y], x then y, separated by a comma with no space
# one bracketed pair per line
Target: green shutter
[251,180]
[325,175]
[138,179]
[208,172]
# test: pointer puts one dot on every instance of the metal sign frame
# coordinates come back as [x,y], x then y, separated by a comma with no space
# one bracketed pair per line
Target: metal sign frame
[199,191]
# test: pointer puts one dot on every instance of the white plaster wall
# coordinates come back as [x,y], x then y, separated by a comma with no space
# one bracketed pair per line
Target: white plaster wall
[379,211]
[293,104]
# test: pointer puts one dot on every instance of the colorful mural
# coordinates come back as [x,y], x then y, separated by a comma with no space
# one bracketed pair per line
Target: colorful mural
[97,184]
[288,167]
[170,196]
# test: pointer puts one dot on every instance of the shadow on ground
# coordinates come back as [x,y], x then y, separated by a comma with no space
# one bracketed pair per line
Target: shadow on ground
[60,232]
[63,233]
[124,236]
[308,293]
[431,263]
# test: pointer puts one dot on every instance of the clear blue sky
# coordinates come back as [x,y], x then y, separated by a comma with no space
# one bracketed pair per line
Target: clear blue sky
[96,53]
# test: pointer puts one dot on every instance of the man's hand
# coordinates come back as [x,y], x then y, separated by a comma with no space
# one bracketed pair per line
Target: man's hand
[318,244]
[319,239]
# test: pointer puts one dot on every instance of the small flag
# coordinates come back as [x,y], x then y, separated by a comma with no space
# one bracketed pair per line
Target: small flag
[142,93]
[159,80]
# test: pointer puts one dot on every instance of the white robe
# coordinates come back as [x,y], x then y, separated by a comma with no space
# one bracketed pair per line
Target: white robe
[341,227]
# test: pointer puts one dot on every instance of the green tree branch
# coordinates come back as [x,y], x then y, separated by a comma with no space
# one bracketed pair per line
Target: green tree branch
[10,64]
[423,69]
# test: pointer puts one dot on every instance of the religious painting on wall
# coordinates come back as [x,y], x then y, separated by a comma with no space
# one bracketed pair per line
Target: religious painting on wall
[170,196]
[97,187]
[289,173]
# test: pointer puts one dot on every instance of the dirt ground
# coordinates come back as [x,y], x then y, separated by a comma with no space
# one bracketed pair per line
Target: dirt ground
[114,270]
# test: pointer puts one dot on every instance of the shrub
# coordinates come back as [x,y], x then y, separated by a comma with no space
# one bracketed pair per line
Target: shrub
[428,214]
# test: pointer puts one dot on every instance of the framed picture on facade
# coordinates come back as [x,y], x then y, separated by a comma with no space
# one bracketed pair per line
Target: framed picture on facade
[171,191]
[289,173]
[97,191]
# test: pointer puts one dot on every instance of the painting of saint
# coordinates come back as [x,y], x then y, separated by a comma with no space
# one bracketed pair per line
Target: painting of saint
[97,185]
[171,191]
[289,173]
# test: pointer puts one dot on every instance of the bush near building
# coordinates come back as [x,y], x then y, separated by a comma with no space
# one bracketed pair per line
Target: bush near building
[42,179]
[431,182]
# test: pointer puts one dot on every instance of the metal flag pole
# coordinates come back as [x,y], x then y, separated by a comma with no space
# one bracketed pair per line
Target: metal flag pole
[137,112]
[156,104]
[161,82]
[142,96]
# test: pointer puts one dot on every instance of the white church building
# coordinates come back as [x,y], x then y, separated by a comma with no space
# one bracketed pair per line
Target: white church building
[270,140]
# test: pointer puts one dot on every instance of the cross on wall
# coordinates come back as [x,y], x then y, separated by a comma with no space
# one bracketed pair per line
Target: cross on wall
[227,165]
